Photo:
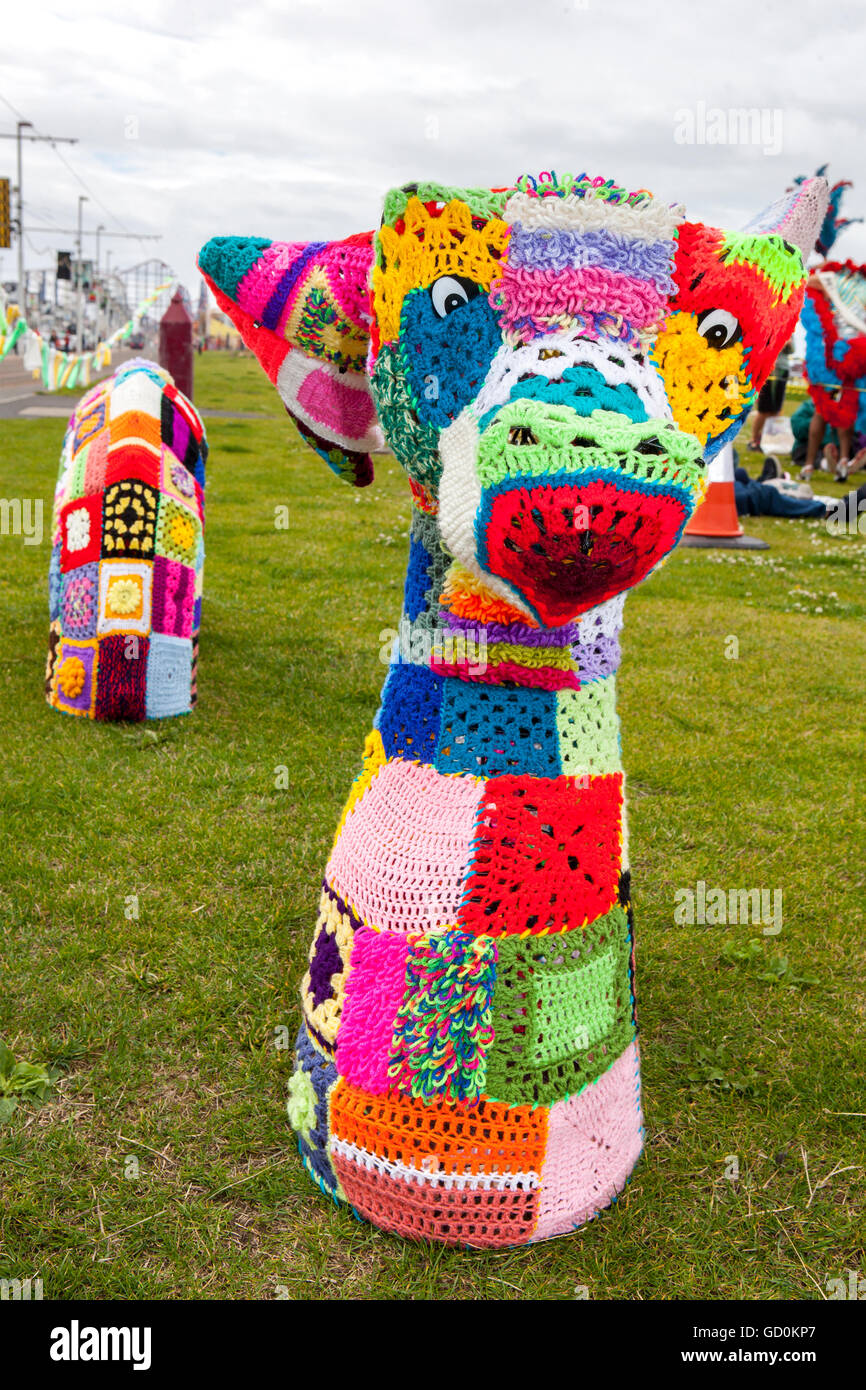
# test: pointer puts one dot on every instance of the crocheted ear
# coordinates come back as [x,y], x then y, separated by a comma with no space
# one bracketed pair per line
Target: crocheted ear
[303,309]
[796,216]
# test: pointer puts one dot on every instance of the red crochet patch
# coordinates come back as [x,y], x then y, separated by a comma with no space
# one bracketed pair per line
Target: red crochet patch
[532,542]
[547,854]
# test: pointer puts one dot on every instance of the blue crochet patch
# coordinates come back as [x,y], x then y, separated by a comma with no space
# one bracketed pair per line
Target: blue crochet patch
[491,731]
[417,579]
[55,583]
[323,1076]
[408,718]
[446,358]
[583,388]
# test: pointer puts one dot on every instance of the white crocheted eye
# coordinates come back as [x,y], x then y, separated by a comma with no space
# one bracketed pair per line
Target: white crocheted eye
[719,328]
[449,292]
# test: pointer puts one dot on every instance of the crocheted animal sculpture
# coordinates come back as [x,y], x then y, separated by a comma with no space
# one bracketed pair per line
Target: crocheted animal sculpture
[128,551]
[834,317]
[548,362]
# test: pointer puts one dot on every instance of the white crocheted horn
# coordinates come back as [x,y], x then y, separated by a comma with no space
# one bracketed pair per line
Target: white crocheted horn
[796,216]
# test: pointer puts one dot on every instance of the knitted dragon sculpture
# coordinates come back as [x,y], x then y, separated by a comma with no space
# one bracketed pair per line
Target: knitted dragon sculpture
[550,363]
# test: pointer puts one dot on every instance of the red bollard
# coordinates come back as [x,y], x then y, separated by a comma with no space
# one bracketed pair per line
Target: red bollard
[175,344]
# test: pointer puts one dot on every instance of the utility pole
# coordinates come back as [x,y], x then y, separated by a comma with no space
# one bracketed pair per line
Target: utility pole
[51,140]
[82,199]
[98,283]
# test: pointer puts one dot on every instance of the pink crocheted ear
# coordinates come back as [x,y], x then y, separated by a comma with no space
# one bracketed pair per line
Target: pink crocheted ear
[303,309]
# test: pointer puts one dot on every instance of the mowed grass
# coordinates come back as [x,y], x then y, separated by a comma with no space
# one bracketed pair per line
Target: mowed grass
[163,1166]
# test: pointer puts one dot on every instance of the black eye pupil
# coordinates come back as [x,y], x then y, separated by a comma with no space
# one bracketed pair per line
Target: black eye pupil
[453,302]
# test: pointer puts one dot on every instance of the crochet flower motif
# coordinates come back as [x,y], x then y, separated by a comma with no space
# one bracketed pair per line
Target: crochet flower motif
[182,480]
[79,598]
[182,533]
[78,529]
[70,677]
[124,596]
[301,1105]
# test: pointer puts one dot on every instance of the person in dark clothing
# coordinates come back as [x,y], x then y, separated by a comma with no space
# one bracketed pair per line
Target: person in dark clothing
[759,499]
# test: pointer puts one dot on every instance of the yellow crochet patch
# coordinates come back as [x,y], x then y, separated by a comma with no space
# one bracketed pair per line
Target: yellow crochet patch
[428,247]
[707,388]
[325,1017]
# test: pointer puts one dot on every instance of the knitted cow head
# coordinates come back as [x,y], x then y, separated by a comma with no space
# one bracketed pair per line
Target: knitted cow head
[552,364]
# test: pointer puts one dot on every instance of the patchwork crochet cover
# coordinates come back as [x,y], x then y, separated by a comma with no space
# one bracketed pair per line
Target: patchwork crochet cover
[128,551]
[549,362]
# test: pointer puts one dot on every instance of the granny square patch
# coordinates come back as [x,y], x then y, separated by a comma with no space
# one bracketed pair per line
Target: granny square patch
[133,461]
[308,1106]
[55,582]
[324,988]
[125,592]
[74,681]
[80,532]
[177,532]
[123,659]
[79,601]
[89,422]
[562,1010]
[547,854]
[97,464]
[177,481]
[493,731]
[169,673]
[173,597]
[129,527]
[588,729]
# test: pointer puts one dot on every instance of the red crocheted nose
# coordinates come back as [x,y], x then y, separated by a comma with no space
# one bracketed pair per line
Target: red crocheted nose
[567,546]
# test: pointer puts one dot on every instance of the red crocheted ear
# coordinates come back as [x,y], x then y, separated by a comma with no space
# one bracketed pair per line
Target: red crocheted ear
[303,309]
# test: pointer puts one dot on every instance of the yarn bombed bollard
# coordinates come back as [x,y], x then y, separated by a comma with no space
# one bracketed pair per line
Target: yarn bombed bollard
[128,551]
[548,362]
[175,344]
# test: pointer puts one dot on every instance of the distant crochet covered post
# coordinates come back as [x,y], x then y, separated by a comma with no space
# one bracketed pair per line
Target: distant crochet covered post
[550,363]
[128,551]
[834,317]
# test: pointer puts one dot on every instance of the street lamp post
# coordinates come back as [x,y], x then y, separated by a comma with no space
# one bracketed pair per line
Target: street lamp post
[21,294]
[82,199]
[98,283]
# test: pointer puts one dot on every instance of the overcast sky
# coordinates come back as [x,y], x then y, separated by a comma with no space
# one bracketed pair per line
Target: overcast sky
[291,120]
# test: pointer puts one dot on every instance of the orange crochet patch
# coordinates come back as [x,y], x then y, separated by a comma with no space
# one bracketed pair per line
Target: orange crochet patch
[438,1137]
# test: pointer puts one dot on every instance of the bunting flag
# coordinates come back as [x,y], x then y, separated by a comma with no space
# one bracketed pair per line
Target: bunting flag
[60,369]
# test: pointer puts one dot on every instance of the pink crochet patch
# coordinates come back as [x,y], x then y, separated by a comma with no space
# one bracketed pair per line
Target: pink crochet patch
[594,1141]
[403,852]
[257,286]
[536,296]
[345,410]
[375,986]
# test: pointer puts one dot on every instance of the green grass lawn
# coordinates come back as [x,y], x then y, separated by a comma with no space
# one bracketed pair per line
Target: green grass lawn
[162,1164]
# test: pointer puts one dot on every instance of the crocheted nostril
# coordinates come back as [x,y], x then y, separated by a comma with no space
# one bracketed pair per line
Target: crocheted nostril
[564,547]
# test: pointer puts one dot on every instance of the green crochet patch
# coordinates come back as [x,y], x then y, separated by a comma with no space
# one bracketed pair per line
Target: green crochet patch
[783,268]
[543,442]
[562,1011]
[415,444]
[482,202]
[587,727]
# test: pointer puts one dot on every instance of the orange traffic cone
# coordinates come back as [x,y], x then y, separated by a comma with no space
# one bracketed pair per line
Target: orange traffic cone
[715,524]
